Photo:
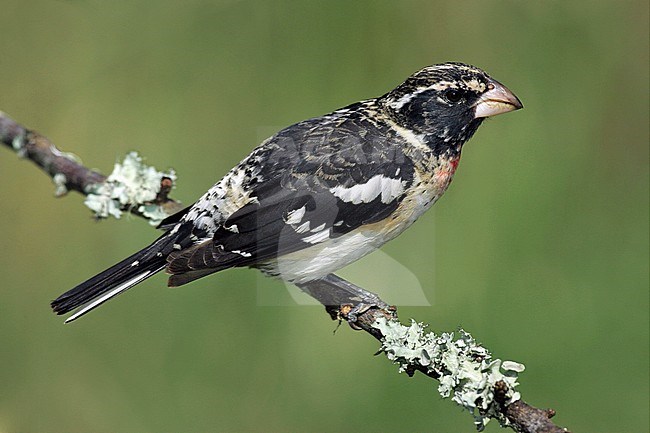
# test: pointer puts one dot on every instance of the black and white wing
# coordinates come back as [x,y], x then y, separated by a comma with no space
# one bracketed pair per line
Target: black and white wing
[322,178]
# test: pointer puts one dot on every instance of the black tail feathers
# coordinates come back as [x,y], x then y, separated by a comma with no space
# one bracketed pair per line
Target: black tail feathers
[118,278]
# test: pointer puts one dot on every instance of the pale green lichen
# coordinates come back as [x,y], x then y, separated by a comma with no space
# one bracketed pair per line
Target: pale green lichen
[18,144]
[464,367]
[60,182]
[131,185]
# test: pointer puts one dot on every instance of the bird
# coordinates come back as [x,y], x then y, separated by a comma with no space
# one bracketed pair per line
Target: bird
[321,193]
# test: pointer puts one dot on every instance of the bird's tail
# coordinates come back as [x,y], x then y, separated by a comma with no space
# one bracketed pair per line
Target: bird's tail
[117,279]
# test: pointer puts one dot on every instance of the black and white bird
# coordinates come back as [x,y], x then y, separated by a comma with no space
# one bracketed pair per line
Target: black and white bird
[321,193]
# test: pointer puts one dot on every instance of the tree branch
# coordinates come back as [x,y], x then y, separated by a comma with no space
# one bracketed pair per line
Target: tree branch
[475,378]
[132,187]
[463,368]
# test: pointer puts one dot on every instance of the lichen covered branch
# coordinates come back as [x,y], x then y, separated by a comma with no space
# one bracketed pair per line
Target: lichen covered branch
[131,187]
[463,368]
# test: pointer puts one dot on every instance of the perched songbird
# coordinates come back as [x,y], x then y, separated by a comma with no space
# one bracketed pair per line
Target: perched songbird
[322,193]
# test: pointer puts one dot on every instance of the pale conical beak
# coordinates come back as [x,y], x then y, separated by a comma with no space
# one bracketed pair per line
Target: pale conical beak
[497,100]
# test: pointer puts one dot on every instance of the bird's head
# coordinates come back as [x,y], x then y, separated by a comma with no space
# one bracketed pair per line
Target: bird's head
[447,102]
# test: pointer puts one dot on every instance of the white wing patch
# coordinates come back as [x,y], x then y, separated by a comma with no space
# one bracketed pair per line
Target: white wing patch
[319,228]
[318,237]
[388,188]
[232,228]
[295,216]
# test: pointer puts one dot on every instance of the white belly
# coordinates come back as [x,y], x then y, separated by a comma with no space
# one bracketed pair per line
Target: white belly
[324,258]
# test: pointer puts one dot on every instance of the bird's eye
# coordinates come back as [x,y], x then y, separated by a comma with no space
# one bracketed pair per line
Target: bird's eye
[453,95]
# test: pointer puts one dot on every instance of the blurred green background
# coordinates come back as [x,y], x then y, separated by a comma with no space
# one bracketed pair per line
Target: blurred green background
[540,248]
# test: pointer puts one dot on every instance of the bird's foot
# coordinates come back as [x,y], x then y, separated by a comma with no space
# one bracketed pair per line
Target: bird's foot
[345,300]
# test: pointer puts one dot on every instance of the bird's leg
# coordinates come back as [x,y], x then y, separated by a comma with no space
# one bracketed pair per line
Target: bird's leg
[343,299]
